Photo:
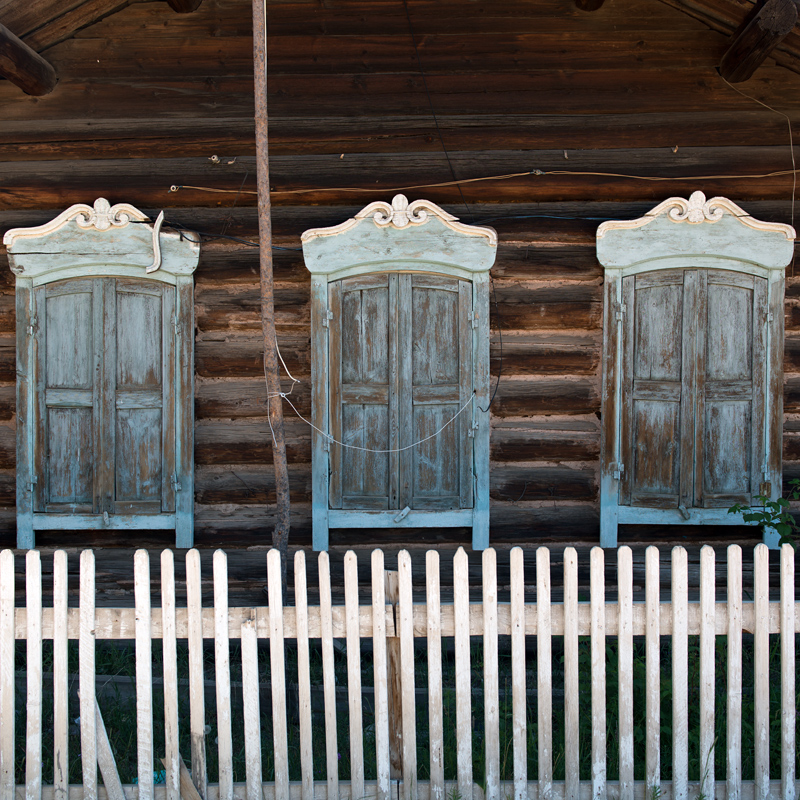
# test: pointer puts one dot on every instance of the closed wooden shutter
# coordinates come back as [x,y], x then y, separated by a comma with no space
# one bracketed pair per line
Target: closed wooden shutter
[692,426]
[401,367]
[105,407]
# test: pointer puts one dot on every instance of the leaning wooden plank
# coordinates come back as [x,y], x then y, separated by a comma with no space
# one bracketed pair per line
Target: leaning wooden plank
[405,614]
[597,594]
[188,789]
[60,677]
[625,657]
[733,742]
[278,673]
[7,648]
[354,674]
[222,669]
[761,671]
[707,668]
[328,678]
[381,677]
[788,686]
[197,707]
[544,673]
[652,673]
[170,657]
[491,685]
[252,709]
[463,681]
[435,697]
[144,674]
[680,669]
[105,760]
[304,676]
[33,725]
[86,677]
[571,686]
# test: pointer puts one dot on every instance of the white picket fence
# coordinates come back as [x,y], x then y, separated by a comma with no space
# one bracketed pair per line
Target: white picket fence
[392,629]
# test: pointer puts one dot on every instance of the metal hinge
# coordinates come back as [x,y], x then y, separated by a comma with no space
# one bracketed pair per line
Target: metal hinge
[327,317]
[175,326]
[473,318]
[472,429]
[616,470]
[326,444]
[33,327]
[176,484]
[621,313]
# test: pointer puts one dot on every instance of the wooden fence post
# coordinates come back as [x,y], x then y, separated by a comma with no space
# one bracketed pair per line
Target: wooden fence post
[395,684]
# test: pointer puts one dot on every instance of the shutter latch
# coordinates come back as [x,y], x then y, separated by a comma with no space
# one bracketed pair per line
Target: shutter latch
[327,317]
[176,484]
[617,468]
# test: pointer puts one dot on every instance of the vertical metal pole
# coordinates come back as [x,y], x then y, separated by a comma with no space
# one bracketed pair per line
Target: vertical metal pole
[280,535]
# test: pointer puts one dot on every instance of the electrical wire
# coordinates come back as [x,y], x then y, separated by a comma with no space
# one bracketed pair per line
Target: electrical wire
[328,437]
[505,177]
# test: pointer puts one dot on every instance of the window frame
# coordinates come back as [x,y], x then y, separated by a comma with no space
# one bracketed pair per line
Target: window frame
[417,237]
[99,242]
[696,234]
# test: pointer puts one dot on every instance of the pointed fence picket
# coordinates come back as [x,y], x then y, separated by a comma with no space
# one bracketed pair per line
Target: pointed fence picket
[451,727]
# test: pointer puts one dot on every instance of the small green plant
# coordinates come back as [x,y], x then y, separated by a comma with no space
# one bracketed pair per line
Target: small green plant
[773,514]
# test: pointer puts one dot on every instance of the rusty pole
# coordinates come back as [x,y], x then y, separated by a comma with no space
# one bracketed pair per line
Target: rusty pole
[280,535]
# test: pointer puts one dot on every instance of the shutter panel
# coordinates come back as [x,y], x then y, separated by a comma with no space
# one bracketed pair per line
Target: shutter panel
[359,389]
[656,344]
[67,403]
[731,398]
[143,357]
[440,314]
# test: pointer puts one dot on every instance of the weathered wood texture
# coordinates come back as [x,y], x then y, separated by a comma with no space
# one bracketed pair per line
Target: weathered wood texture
[761,32]
[146,97]
[23,66]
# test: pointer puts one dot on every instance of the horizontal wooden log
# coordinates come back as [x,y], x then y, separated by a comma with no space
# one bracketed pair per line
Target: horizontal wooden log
[554,439]
[198,134]
[24,67]
[530,397]
[147,181]
[623,91]
[567,306]
[359,18]
[248,441]
[563,48]
[525,482]
[766,27]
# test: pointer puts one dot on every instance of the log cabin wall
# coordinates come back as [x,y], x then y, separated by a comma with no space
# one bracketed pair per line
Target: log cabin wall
[148,98]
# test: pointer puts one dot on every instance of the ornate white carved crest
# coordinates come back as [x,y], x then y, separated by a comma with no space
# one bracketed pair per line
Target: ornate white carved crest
[697,210]
[101,217]
[104,215]
[401,214]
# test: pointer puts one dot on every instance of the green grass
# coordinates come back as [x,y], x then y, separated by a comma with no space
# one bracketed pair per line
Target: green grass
[119,712]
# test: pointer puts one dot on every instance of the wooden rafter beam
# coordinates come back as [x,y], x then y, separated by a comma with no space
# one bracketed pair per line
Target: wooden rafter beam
[184,6]
[589,5]
[758,36]
[23,66]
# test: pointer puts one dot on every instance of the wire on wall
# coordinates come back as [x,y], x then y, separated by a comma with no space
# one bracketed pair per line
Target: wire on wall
[505,177]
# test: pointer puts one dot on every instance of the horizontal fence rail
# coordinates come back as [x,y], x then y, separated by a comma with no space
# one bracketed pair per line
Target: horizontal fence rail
[382,697]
